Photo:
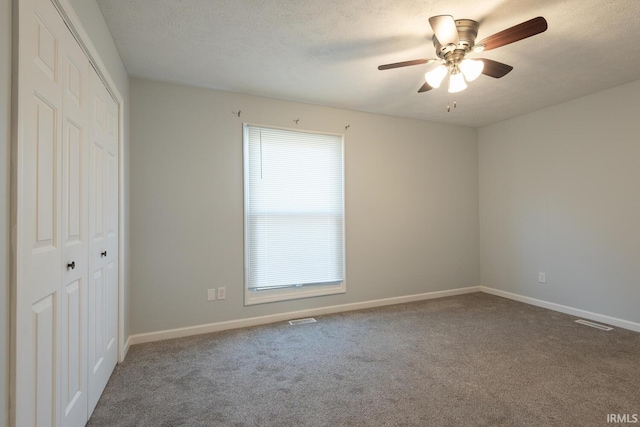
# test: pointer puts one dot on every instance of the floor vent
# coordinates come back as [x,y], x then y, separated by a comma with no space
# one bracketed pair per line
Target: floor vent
[594,325]
[302,321]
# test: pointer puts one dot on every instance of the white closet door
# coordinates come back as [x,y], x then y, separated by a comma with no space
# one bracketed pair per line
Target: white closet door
[65,194]
[75,234]
[103,238]
[39,259]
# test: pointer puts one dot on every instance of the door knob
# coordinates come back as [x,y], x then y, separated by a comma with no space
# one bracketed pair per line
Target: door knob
[103,254]
[71,265]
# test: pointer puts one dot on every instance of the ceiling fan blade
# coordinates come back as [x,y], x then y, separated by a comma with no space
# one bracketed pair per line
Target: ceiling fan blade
[495,69]
[406,63]
[425,87]
[517,32]
[445,29]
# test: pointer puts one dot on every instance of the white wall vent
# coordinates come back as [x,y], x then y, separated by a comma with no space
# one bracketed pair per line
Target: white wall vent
[302,321]
[594,325]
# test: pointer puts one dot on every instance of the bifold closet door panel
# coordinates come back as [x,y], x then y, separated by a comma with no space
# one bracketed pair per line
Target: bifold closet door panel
[103,235]
[73,328]
[38,185]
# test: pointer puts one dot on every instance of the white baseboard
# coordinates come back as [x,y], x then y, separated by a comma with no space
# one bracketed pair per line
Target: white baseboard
[280,317]
[625,324]
[262,320]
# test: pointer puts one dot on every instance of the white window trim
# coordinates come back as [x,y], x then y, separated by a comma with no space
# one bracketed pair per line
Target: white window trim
[274,295]
[253,297]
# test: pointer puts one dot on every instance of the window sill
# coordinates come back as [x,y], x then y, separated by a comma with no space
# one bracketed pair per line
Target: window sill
[276,295]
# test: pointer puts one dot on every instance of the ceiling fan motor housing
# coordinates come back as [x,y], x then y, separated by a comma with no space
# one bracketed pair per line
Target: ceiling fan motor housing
[467,33]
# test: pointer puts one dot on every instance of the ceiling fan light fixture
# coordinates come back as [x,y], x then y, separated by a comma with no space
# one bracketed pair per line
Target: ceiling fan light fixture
[471,68]
[454,39]
[435,76]
[457,83]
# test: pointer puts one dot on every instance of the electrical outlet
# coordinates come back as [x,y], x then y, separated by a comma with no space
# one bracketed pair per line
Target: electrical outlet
[211,294]
[542,277]
[222,292]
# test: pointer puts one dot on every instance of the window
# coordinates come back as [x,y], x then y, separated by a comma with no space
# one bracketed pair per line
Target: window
[294,214]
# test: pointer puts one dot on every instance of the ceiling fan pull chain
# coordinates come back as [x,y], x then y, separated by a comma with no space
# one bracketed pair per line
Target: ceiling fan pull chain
[455,104]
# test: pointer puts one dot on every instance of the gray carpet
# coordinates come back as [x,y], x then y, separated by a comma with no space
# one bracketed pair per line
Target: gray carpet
[470,360]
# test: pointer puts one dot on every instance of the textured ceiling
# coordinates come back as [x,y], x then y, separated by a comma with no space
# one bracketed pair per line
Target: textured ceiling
[326,52]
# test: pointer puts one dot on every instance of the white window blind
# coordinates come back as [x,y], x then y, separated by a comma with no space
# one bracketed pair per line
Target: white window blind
[294,208]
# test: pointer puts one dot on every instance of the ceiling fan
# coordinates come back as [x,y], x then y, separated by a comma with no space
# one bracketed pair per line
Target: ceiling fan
[454,39]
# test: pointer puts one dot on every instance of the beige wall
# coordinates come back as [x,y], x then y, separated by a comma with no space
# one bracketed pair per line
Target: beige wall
[411,203]
[5,122]
[559,194]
